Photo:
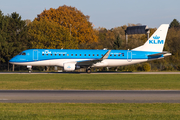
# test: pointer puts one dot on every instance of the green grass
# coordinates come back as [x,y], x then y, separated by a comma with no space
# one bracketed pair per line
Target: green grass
[61,111]
[89,82]
[71,111]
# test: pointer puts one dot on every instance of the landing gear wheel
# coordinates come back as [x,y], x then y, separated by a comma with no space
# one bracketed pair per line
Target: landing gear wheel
[29,68]
[88,70]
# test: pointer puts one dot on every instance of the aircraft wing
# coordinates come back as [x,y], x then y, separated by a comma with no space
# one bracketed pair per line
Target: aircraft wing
[164,53]
[93,61]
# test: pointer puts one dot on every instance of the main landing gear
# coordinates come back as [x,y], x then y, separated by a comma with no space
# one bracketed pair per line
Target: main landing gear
[88,70]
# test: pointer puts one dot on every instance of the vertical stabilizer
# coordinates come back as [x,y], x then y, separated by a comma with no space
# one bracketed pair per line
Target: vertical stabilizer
[156,42]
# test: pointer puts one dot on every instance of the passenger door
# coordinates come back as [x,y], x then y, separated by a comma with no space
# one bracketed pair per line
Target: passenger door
[35,55]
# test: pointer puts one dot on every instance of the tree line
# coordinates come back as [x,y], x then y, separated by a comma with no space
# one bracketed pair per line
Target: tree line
[68,28]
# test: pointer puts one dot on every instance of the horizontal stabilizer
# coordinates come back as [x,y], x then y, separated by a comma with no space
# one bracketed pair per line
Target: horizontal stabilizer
[164,53]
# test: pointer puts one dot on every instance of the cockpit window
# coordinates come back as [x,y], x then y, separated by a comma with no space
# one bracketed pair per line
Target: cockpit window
[23,53]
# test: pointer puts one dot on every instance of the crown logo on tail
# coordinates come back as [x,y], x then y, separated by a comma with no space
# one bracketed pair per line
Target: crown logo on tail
[156,37]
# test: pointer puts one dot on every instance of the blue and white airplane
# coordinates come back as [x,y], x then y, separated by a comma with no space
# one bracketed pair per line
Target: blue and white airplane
[71,60]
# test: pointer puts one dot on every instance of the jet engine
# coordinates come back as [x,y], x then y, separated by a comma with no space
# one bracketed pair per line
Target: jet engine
[69,66]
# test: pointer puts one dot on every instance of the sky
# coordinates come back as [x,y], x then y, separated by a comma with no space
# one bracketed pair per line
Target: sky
[103,13]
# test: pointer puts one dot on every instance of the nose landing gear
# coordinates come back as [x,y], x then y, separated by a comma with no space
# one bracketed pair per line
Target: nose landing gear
[29,68]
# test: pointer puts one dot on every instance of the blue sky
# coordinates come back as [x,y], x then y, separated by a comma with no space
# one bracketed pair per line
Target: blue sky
[103,13]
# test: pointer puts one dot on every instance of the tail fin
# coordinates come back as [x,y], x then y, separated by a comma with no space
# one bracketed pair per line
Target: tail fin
[156,42]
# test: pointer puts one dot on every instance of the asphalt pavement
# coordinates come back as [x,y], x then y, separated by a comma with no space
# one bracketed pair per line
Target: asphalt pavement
[107,72]
[89,96]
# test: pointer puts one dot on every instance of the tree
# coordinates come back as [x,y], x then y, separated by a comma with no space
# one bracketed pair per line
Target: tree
[105,38]
[119,32]
[2,40]
[13,36]
[16,35]
[46,34]
[27,21]
[117,43]
[72,19]
[110,38]
[173,45]
[175,24]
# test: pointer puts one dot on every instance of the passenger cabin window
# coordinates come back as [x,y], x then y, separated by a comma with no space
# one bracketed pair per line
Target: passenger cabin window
[55,54]
[101,54]
[51,54]
[79,54]
[59,54]
[110,54]
[114,55]
[67,54]
[75,54]
[122,54]
[119,55]
[89,55]
[84,54]
[97,54]
[93,54]
[71,54]
[63,54]
[46,54]
[42,54]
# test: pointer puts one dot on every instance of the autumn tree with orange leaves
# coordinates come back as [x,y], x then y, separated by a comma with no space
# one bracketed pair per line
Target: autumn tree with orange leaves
[50,35]
[72,19]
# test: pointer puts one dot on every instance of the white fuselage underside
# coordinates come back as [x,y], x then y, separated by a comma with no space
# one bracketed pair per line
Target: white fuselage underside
[104,63]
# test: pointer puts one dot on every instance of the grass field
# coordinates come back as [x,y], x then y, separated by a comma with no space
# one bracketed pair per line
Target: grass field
[89,82]
[60,111]
[71,111]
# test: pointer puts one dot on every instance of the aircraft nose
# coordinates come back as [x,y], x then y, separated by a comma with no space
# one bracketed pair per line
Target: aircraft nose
[13,60]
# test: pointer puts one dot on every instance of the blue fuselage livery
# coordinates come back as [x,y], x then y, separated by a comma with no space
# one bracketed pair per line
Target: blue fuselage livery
[71,60]
[34,55]
[78,58]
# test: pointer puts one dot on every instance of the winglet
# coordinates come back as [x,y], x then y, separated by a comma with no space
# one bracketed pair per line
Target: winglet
[106,55]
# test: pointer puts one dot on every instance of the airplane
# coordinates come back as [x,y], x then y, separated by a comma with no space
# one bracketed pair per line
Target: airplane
[72,59]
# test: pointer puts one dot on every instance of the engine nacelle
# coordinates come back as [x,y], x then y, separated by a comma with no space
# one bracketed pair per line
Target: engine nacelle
[69,66]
